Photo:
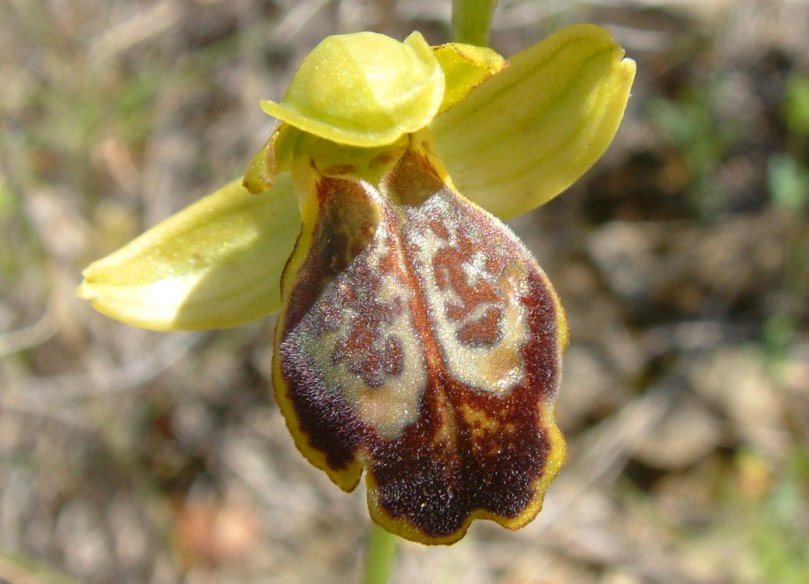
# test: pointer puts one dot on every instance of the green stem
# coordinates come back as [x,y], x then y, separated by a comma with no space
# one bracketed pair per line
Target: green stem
[379,555]
[471,21]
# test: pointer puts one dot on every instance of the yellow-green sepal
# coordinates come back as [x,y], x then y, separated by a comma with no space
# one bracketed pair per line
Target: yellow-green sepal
[363,89]
[530,131]
[215,264]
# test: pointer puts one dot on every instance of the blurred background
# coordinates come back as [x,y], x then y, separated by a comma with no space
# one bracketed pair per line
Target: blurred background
[681,257]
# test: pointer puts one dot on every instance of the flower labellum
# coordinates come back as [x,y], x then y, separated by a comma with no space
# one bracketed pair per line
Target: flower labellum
[418,340]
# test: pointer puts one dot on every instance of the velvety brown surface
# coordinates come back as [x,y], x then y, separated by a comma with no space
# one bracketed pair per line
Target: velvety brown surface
[470,447]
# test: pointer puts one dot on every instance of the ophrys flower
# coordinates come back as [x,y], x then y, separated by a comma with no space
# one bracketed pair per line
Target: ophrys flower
[417,338]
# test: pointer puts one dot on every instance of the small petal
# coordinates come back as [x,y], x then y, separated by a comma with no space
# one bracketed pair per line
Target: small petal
[363,89]
[525,135]
[215,264]
[261,171]
[274,157]
[465,67]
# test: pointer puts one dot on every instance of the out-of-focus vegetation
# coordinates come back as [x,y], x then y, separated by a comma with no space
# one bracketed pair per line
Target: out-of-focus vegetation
[682,259]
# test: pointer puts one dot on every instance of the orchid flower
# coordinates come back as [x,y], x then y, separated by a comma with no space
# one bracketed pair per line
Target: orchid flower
[417,339]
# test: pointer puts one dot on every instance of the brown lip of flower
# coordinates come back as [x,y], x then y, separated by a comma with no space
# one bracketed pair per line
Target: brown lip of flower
[418,341]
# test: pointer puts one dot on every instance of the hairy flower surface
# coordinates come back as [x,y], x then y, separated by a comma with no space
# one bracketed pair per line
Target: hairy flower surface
[417,341]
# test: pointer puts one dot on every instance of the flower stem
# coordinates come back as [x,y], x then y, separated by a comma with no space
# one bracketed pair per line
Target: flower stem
[379,555]
[471,21]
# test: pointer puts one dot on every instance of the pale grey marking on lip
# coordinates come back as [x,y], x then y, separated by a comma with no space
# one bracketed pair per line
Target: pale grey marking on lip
[394,405]
[497,369]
